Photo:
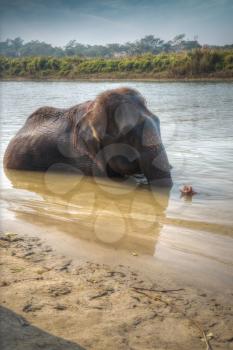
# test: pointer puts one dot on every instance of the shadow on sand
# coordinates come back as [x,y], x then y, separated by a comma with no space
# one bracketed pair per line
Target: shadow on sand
[17,334]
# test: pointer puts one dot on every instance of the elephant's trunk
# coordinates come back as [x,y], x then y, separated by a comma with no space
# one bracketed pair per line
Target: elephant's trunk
[155,166]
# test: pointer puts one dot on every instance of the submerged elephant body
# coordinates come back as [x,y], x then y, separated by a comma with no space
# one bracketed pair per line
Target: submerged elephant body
[114,135]
[45,139]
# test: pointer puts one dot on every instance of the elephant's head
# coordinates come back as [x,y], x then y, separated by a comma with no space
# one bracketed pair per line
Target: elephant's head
[123,137]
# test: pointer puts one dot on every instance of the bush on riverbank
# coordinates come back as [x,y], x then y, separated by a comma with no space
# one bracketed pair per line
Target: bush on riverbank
[193,64]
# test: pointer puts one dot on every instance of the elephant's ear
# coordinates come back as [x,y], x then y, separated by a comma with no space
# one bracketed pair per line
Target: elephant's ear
[90,131]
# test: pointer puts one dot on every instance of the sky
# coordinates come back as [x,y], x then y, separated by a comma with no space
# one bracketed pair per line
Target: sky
[108,21]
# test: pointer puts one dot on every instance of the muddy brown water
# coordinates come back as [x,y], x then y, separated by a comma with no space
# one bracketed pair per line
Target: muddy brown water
[111,221]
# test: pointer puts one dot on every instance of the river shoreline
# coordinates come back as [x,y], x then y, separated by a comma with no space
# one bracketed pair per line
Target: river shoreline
[123,79]
[101,306]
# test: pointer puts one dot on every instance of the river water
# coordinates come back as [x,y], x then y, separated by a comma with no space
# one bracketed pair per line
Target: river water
[194,236]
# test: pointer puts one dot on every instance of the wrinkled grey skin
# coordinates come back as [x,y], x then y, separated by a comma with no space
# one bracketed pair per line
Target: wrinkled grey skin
[114,135]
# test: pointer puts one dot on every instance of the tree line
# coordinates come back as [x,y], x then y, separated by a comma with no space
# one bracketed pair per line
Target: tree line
[149,44]
[201,62]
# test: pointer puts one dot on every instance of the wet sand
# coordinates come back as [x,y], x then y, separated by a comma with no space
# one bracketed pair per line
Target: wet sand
[108,221]
[50,301]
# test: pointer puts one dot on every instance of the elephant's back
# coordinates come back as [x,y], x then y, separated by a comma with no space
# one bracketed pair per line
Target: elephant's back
[35,146]
[45,138]
[44,114]
[48,113]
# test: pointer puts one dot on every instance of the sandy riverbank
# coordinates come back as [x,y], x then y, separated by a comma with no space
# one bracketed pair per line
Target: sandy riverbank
[51,302]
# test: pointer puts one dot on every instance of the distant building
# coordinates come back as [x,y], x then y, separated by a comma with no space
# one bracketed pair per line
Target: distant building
[119,54]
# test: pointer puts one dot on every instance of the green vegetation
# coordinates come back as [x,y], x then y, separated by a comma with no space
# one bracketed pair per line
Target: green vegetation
[149,44]
[197,63]
[147,58]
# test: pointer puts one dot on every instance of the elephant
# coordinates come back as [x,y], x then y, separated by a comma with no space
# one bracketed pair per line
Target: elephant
[115,135]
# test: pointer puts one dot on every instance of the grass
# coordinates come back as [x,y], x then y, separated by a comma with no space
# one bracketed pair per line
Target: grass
[195,64]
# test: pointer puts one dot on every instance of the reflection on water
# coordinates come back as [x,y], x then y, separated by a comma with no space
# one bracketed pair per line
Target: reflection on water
[104,211]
